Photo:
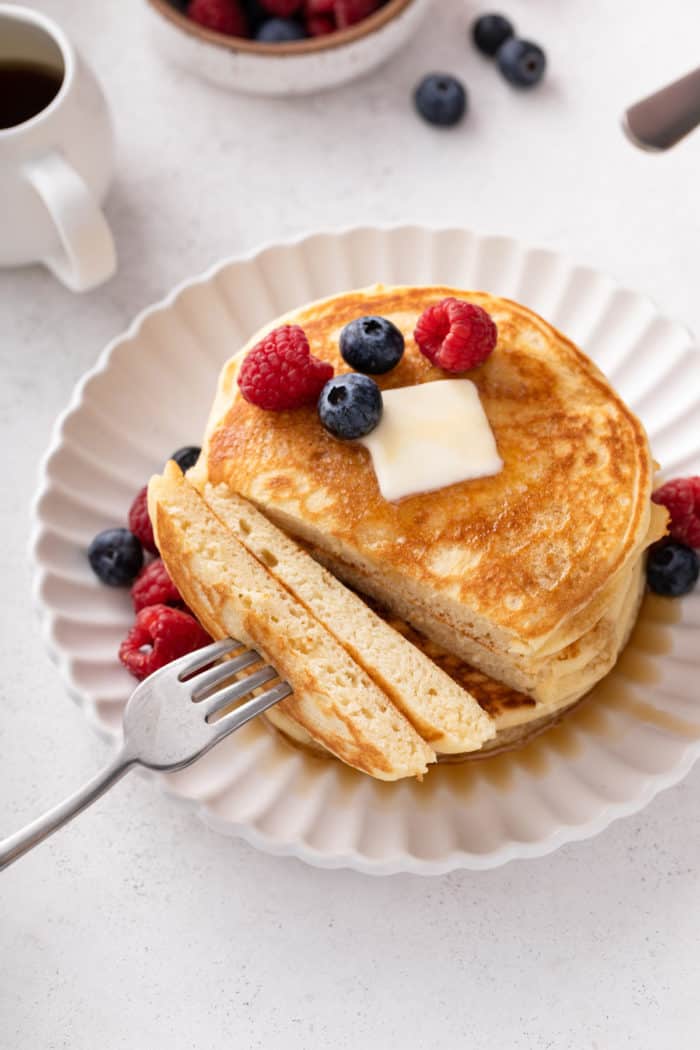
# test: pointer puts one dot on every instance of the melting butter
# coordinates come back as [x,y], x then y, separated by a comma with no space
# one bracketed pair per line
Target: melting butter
[431,435]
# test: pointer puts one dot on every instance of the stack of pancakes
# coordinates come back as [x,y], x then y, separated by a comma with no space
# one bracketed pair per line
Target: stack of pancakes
[478,611]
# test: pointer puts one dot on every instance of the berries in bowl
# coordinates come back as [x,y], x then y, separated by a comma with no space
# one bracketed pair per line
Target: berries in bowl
[282,47]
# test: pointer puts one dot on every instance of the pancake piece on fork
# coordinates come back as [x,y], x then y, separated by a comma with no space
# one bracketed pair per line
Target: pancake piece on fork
[232,594]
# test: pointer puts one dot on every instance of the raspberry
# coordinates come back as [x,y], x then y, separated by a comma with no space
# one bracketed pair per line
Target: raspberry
[159,635]
[153,586]
[320,25]
[319,7]
[455,335]
[281,8]
[681,497]
[281,373]
[139,521]
[348,12]
[223,16]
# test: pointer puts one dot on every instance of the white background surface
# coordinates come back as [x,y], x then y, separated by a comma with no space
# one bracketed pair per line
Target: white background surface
[137,927]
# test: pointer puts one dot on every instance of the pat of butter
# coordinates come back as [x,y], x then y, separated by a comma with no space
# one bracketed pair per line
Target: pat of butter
[431,435]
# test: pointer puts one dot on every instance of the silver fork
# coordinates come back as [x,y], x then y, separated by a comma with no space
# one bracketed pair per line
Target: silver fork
[168,724]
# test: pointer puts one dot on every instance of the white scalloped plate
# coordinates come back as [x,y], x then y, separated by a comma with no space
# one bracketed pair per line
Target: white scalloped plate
[150,392]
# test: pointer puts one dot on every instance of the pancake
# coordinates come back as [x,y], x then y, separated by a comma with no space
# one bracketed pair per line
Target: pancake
[518,574]
[334,700]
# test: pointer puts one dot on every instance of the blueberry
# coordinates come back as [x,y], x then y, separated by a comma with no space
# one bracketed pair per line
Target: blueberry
[350,406]
[490,31]
[672,568]
[441,99]
[186,457]
[521,62]
[116,556]
[280,31]
[371,344]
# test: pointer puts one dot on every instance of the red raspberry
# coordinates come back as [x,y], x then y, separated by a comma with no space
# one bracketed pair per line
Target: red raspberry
[348,12]
[153,586]
[139,521]
[455,335]
[681,497]
[280,372]
[223,16]
[319,7]
[159,635]
[281,8]
[320,25]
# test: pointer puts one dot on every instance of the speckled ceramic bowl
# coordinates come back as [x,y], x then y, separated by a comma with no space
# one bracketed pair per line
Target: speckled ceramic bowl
[297,68]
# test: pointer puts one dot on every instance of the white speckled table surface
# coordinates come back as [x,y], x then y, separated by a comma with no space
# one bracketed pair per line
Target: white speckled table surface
[137,926]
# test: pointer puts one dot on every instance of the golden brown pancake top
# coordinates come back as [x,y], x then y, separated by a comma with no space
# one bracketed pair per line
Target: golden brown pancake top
[525,548]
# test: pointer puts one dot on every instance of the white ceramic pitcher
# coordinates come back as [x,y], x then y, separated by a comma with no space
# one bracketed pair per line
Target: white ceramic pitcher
[56,166]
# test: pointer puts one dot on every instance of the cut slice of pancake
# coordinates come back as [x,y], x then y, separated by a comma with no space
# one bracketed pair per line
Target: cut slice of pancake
[444,714]
[232,594]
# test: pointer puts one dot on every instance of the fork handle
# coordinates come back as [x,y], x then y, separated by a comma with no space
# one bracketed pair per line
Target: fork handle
[22,841]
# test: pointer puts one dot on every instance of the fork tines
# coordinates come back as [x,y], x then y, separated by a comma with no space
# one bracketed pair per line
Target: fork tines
[213,700]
